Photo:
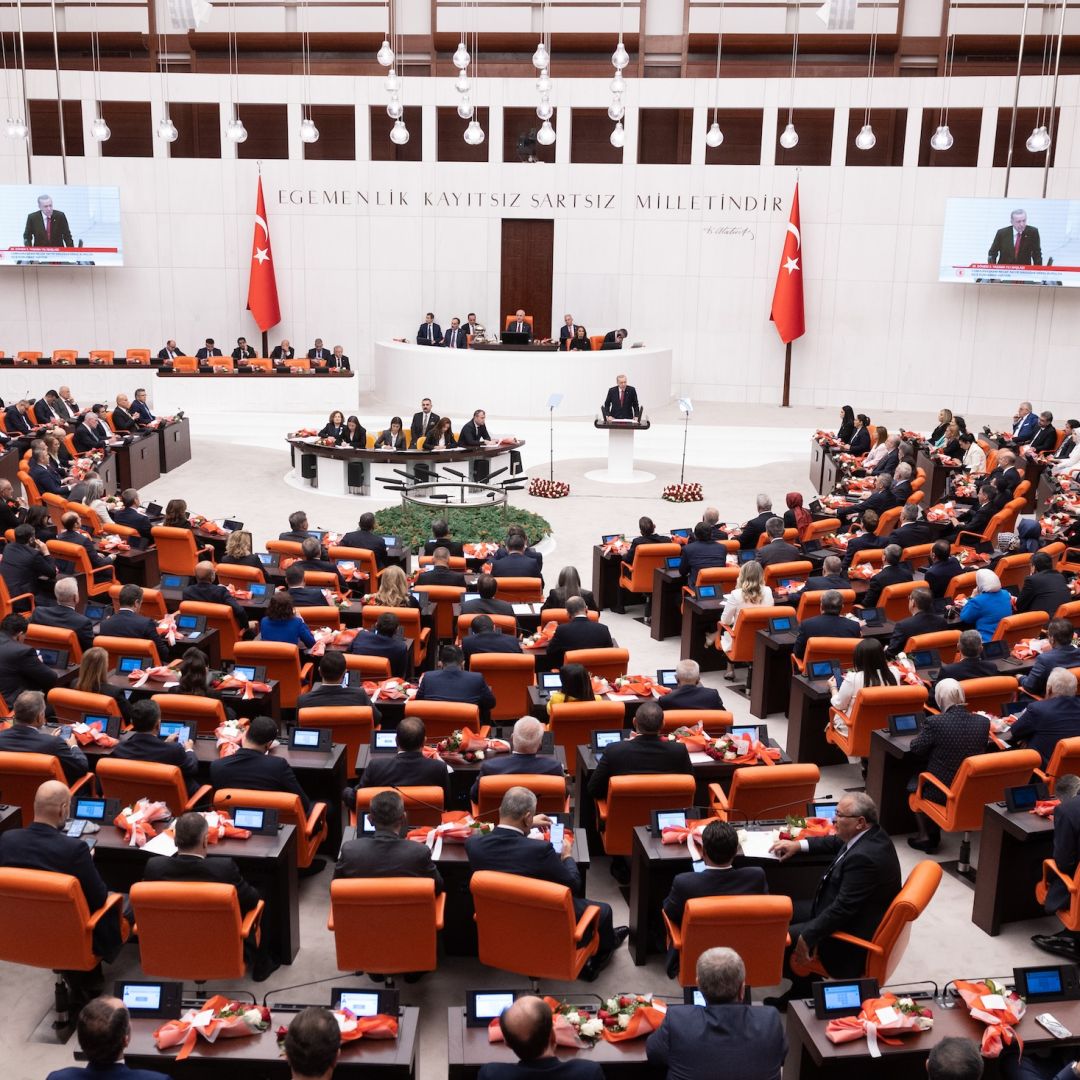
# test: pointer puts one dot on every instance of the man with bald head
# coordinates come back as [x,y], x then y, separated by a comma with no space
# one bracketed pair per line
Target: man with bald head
[42,846]
[525,756]
[207,591]
[528,1028]
[122,418]
[104,1031]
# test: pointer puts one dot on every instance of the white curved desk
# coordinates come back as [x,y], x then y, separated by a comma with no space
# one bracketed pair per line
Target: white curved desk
[515,382]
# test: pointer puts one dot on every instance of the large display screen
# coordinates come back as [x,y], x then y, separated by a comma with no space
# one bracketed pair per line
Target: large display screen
[1011,242]
[58,225]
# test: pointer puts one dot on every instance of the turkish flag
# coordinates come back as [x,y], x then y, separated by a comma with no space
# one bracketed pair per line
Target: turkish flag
[787,302]
[262,299]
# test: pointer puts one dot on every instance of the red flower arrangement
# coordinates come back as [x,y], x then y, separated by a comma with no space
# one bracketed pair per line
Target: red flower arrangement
[682,493]
[548,489]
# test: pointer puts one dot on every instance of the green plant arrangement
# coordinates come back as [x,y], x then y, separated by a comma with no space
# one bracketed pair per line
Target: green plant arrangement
[470,525]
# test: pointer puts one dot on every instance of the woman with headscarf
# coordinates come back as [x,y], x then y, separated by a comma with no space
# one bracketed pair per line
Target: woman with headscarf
[796,516]
[1029,535]
[989,604]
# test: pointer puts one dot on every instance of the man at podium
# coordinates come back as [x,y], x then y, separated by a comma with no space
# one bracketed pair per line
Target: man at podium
[621,402]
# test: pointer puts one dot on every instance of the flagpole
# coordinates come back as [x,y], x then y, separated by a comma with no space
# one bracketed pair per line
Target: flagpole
[786,403]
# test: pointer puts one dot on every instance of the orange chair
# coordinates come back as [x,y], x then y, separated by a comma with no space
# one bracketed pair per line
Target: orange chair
[316,618]
[840,649]
[288,548]
[981,779]
[552,614]
[222,363]
[989,694]
[26,356]
[759,792]
[1070,611]
[64,356]
[30,489]
[261,363]
[298,363]
[443,598]
[550,791]
[918,556]
[712,721]
[192,930]
[631,800]
[442,718]
[895,599]
[185,363]
[1027,624]
[871,556]
[572,723]
[506,624]
[323,579]
[351,725]
[1064,760]
[370,667]
[121,646]
[1068,916]
[129,781]
[21,774]
[218,617]
[282,663]
[153,603]
[25,601]
[886,948]
[520,590]
[637,577]
[57,506]
[555,946]
[176,550]
[603,663]
[888,521]
[790,536]
[1013,569]
[871,711]
[423,804]
[101,357]
[718,575]
[386,925]
[945,642]
[364,559]
[54,637]
[310,828]
[138,357]
[97,579]
[748,622]
[509,675]
[409,619]
[204,715]
[818,530]
[71,706]
[239,577]
[511,319]
[1002,521]
[810,603]
[788,571]
[962,583]
[89,518]
[756,927]
[456,562]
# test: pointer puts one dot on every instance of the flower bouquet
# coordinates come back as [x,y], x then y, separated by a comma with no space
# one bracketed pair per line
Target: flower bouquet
[574,1027]
[135,821]
[482,549]
[229,736]
[600,685]
[693,738]
[689,834]
[1029,648]
[456,827]
[630,1016]
[392,689]
[943,512]
[999,1009]
[548,489]
[641,685]
[542,636]
[304,433]
[219,1018]
[798,827]
[682,493]
[85,734]
[742,750]
[353,1027]
[112,542]
[162,673]
[469,746]
[619,546]
[885,1014]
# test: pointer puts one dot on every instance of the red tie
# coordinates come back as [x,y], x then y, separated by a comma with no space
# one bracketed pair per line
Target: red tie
[1016,246]
[48,227]
[620,399]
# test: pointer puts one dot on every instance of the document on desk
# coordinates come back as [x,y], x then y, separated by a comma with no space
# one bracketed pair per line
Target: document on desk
[162,844]
[755,844]
[699,757]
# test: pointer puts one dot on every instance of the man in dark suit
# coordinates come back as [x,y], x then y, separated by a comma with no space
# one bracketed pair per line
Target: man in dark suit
[63,613]
[647,753]
[440,537]
[528,1028]
[42,846]
[524,759]
[243,350]
[509,850]
[486,587]
[129,622]
[19,418]
[333,691]
[26,736]
[1069,443]
[254,767]
[923,620]
[647,534]
[302,595]
[339,360]
[725,1038]
[47,227]
[90,435]
[454,338]
[171,351]
[430,332]
[45,410]
[44,477]
[1061,653]
[752,530]
[1066,857]
[1017,244]
[892,573]
[284,351]
[387,853]
[365,537]
[864,541]
[980,516]
[901,487]
[688,692]
[854,894]
[621,402]
[146,744]
[20,666]
[567,331]
[830,623]
[384,640]
[407,768]
[701,552]
[485,637]
[314,558]
[27,566]
[832,576]
[208,351]
[519,324]
[1045,589]
[1044,723]
[888,464]
[450,683]
[613,339]
[515,563]
[140,410]
[1004,479]
[439,573]
[472,326]
[578,632]
[206,590]
[912,531]
[971,665]
[777,550]
[944,566]
[423,422]
[505,549]
[318,352]
[474,433]
[131,515]
[1045,438]
[879,500]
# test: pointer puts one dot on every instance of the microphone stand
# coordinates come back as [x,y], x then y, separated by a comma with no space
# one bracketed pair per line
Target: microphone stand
[686,431]
[551,443]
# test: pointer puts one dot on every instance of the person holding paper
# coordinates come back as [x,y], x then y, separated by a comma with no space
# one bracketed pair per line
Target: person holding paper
[621,402]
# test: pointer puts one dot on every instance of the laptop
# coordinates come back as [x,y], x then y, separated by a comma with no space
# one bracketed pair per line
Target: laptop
[905,724]
[693,996]
[260,820]
[316,534]
[512,337]
[390,541]
[610,538]
[995,650]
[109,725]
[249,672]
[153,510]
[747,555]
[670,819]
[550,681]
[175,581]
[258,589]
[99,810]
[268,558]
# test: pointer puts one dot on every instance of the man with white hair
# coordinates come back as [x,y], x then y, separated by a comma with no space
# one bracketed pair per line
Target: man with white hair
[524,756]
[711,517]
[753,529]
[1044,723]
[727,1037]
[688,692]
[889,463]
[901,487]
[1024,423]
[63,613]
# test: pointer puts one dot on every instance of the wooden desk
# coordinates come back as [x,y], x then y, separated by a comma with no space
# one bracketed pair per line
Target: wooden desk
[1011,852]
[808,715]
[10,817]
[654,864]
[469,1049]
[266,862]
[9,468]
[701,617]
[817,465]
[260,704]
[937,476]
[605,578]
[830,473]
[1046,490]
[174,442]
[891,767]
[538,705]
[108,471]
[138,567]
[770,688]
[1034,470]
[258,1057]
[138,462]
[665,616]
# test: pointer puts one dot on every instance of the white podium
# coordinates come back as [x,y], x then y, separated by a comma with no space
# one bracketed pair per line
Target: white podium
[620,458]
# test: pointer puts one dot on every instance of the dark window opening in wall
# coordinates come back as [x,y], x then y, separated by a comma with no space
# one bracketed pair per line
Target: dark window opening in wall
[889,127]
[382,149]
[337,134]
[132,134]
[45,128]
[664,136]
[198,129]
[1026,122]
[519,137]
[965,126]
[815,130]
[450,144]
[741,129]
[590,138]
[268,132]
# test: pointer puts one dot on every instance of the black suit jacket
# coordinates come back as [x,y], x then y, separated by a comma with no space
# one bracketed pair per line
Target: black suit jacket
[66,619]
[321,354]
[691,697]
[257,771]
[516,564]
[863,542]
[127,624]
[860,442]
[86,440]
[713,881]
[368,643]
[637,756]
[922,622]
[368,542]
[1044,591]
[824,626]
[487,607]
[43,412]
[307,596]
[442,575]
[1003,249]
[509,852]
[407,768]
[215,869]
[455,337]
[519,764]
[472,435]
[46,480]
[71,536]
[1044,439]
[144,746]
[966,669]
[122,420]
[553,1068]
[281,354]
[26,739]
[165,354]
[246,352]
[699,554]
[26,570]
[206,353]
[580,633]
[386,855]
[938,575]
[453,684]
[911,534]
[628,410]
[887,464]
[656,538]
[59,230]
[753,529]
[422,335]
[21,669]
[209,592]
[325,695]
[832,581]
[778,551]
[341,362]
[493,642]
[454,547]
[133,519]
[887,575]
[1066,852]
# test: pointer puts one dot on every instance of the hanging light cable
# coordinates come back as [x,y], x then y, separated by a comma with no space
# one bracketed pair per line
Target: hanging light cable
[309,133]
[866,139]
[474,133]
[1050,125]
[714,137]
[234,130]
[789,139]
[942,138]
[99,129]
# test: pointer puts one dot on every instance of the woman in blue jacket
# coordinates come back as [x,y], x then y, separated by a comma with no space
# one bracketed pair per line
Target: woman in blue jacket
[988,606]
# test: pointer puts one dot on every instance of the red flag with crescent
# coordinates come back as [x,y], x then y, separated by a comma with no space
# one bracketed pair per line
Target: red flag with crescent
[262,299]
[787,302]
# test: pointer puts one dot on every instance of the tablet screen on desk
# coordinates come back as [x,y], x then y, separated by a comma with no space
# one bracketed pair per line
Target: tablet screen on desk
[782,624]
[706,592]
[360,1002]
[550,681]
[684,533]
[390,541]
[90,809]
[483,1006]
[994,650]
[244,673]
[826,810]
[129,663]
[248,817]
[823,669]
[173,581]
[673,562]
[905,724]
[668,819]
[842,996]
[925,658]
[666,677]
[257,590]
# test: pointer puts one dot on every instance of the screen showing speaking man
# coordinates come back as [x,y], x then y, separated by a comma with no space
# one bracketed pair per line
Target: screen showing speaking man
[57,225]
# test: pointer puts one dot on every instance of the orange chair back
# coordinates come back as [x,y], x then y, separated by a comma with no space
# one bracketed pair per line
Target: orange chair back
[506,902]
[176,550]
[101,356]
[455,562]
[1013,569]
[189,363]
[572,723]
[6,600]
[712,721]
[240,577]
[409,619]
[129,781]
[388,925]
[21,774]
[370,667]
[423,804]
[87,515]
[57,507]
[54,637]
[791,536]
[872,556]
[442,718]
[310,829]
[72,705]
[550,792]
[261,363]
[1064,760]
[1070,611]
[840,649]
[507,624]
[289,548]
[1025,625]
[323,579]
[918,556]
[28,356]
[631,800]
[30,488]
[138,357]
[981,779]
[962,583]
[810,603]
[798,570]
[204,715]
[767,792]
[718,575]
[443,598]
[364,559]
[520,590]
[894,931]
[603,663]
[282,662]
[122,646]
[748,622]
[219,617]
[871,711]
[825,527]
[944,641]
[552,614]
[299,363]
[990,694]
[153,603]
[888,521]
[97,582]
[511,319]
[637,577]
[351,725]
[509,675]
[895,599]
[320,617]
